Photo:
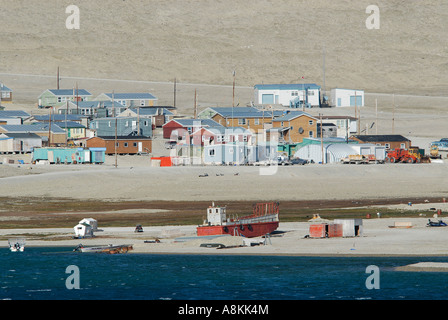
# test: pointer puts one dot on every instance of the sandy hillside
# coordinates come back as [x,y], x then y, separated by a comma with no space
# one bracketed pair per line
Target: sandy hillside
[204,41]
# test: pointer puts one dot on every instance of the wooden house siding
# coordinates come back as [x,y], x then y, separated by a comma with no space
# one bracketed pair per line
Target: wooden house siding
[298,128]
[125,145]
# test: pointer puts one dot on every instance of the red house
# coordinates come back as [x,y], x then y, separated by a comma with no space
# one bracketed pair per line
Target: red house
[219,135]
[177,129]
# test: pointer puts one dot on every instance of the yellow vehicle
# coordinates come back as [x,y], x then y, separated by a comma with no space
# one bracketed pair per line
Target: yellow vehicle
[434,152]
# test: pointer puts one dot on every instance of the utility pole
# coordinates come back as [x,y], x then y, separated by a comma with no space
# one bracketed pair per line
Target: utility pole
[393,115]
[233,99]
[49,129]
[376,113]
[321,138]
[174,93]
[195,105]
[57,80]
[116,124]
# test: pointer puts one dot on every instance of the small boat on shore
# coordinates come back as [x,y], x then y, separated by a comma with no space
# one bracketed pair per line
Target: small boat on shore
[439,223]
[16,245]
[111,249]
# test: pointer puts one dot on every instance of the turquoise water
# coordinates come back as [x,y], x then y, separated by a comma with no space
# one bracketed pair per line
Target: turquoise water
[40,274]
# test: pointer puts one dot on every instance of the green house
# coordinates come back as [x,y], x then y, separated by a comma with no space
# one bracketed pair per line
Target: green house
[51,98]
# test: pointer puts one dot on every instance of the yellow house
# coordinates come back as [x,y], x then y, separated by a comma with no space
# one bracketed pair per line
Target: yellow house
[295,126]
[245,117]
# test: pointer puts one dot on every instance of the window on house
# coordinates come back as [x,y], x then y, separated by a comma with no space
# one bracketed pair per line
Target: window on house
[59,99]
[127,123]
[117,144]
[211,152]
[311,134]
[256,121]
[135,144]
[310,122]
[125,144]
[242,121]
[142,102]
[387,145]
[145,123]
[402,146]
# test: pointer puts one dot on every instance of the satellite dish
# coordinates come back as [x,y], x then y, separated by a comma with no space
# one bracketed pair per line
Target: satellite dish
[301,130]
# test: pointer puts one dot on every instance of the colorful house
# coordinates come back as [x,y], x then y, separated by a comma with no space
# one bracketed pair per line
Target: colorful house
[124,145]
[5,94]
[295,126]
[129,100]
[50,98]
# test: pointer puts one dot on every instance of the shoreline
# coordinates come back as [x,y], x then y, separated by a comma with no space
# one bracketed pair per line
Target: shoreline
[377,240]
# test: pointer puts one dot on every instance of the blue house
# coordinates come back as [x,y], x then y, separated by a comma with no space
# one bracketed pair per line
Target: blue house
[122,126]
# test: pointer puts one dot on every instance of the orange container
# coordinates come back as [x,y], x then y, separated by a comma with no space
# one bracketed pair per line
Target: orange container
[318,230]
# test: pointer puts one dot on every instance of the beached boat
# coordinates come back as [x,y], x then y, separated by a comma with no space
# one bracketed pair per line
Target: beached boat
[264,220]
[439,223]
[16,245]
[111,249]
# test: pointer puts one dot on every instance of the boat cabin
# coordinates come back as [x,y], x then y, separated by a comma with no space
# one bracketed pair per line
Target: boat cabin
[215,215]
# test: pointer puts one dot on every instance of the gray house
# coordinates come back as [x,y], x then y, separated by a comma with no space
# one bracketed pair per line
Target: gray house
[238,153]
[19,142]
[129,100]
[122,126]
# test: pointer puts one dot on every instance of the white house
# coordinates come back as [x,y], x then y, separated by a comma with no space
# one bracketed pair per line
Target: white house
[291,95]
[347,97]
[83,230]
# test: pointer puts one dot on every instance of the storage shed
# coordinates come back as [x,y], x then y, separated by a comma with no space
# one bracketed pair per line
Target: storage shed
[347,97]
[350,227]
[326,230]
[83,230]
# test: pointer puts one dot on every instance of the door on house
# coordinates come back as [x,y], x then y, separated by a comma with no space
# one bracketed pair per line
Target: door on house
[339,102]
[358,101]
[140,147]
[267,99]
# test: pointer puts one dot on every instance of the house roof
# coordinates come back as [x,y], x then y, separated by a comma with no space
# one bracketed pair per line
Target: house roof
[70,92]
[5,88]
[58,117]
[293,86]
[90,104]
[245,112]
[292,115]
[123,138]
[14,113]
[150,111]
[131,96]
[381,138]
[197,122]
[22,135]
[70,124]
[37,127]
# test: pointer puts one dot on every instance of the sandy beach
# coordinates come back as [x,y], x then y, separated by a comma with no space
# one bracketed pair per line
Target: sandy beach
[378,239]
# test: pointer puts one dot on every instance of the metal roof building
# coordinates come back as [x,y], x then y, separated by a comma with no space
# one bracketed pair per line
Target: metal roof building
[333,153]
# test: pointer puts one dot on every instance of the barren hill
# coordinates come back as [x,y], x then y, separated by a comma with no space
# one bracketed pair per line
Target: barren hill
[203,41]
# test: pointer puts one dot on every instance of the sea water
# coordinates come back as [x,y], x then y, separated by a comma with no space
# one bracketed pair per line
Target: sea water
[44,274]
